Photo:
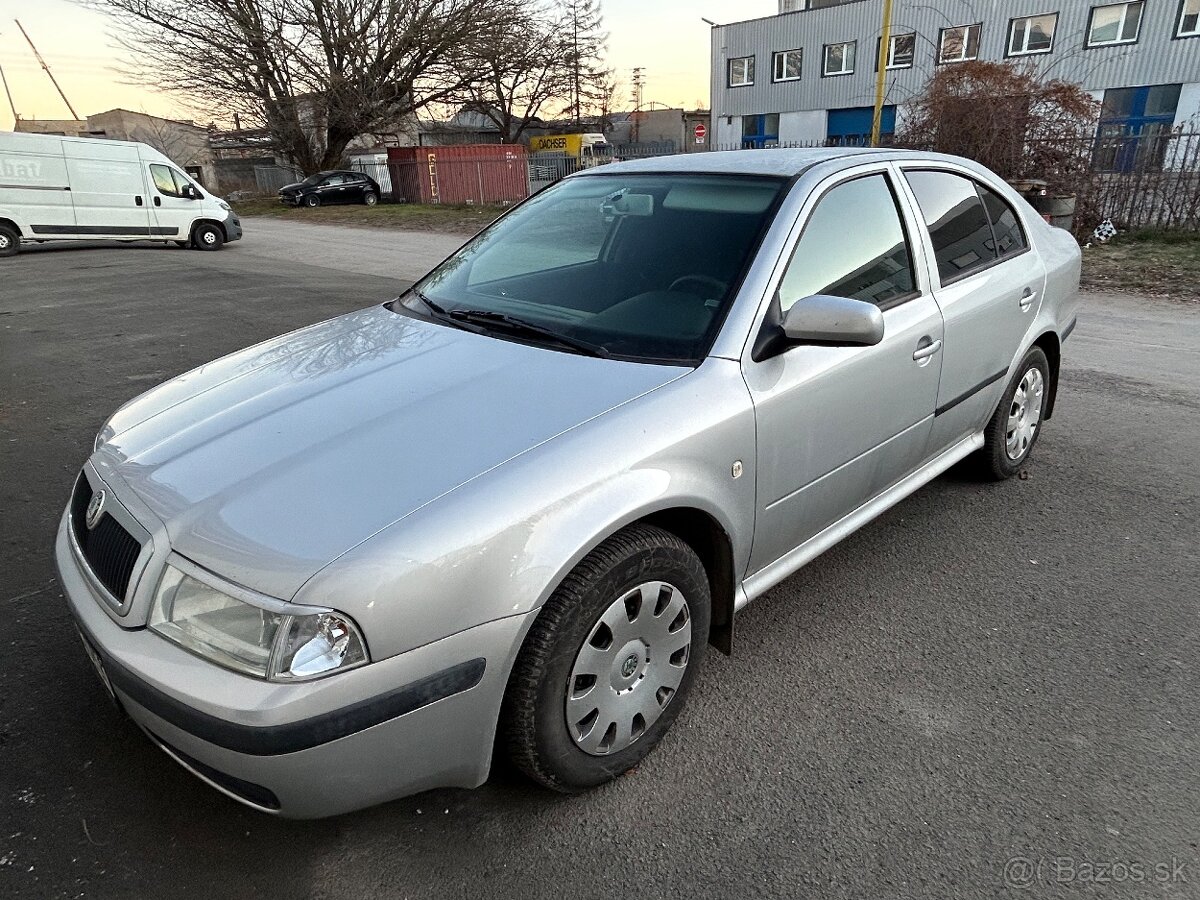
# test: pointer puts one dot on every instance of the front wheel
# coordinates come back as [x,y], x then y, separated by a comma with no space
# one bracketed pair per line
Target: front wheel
[207,236]
[1017,421]
[312,201]
[608,663]
[10,241]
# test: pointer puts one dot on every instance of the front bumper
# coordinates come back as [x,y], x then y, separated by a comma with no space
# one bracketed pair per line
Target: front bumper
[233,228]
[420,720]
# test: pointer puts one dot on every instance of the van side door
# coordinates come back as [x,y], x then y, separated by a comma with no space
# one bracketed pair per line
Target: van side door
[108,190]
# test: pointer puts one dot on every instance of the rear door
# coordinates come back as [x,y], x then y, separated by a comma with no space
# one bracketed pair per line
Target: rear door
[988,285]
[173,212]
[838,425]
[108,189]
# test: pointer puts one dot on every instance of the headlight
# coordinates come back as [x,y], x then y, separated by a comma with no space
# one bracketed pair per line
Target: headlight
[252,634]
[225,206]
[102,437]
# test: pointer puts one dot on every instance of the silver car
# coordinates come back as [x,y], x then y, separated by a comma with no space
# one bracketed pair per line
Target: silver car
[513,506]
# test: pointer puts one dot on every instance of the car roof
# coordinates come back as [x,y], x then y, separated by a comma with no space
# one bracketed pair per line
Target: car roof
[775,161]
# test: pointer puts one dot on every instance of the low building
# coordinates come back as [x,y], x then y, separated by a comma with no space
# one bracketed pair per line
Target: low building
[63,127]
[807,74]
[184,143]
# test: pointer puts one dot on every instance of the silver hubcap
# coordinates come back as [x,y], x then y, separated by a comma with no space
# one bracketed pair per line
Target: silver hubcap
[629,668]
[208,237]
[1024,414]
[4,241]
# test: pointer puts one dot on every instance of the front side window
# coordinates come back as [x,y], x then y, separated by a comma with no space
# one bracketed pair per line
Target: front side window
[1117,23]
[787,65]
[741,71]
[839,58]
[959,44]
[875,266]
[639,267]
[168,181]
[1032,34]
[1189,19]
[958,223]
[901,50]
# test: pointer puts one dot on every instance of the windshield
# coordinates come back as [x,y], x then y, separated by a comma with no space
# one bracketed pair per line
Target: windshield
[315,179]
[639,267]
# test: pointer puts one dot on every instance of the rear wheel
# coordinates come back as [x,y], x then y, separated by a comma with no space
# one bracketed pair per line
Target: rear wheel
[10,241]
[370,198]
[607,666]
[207,236]
[1017,422]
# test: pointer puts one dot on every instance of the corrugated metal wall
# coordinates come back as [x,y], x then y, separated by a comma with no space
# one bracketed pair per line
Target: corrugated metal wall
[1156,58]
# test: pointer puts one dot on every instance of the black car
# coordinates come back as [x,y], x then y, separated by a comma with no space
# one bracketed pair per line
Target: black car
[331,187]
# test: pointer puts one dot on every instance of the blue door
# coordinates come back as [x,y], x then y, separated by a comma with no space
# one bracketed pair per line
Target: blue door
[852,127]
[1135,124]
[760,131]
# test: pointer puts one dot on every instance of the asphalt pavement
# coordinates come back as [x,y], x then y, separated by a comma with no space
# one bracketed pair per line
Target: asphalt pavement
[990,691]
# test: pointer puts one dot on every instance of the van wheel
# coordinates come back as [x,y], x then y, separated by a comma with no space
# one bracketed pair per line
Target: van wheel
[606,667]
[206,236]
[312,201]
[10,241]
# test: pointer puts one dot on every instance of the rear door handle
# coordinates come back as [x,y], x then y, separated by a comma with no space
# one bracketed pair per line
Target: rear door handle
[1027,298]
[927,351]
[138,200]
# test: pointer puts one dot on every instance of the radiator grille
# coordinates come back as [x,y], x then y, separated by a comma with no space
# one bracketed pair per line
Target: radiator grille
[109,550]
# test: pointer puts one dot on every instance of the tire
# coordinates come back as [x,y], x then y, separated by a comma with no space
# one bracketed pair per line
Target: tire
[312,201]
[545,724]
[207,236]
[370,198]
[1014,428]
[10,241]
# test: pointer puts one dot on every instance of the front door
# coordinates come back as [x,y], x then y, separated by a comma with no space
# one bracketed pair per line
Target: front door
[173,211]
[838,425]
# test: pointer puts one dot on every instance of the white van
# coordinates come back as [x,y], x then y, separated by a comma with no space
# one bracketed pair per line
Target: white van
[66,188]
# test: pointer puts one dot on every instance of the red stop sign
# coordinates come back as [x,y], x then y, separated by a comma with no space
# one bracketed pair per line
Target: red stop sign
[701,131]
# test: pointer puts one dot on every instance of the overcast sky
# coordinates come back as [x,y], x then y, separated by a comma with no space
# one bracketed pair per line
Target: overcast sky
[665,37]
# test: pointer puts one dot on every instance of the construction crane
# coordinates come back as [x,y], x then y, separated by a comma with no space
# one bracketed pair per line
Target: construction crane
[11,105]
[46,67]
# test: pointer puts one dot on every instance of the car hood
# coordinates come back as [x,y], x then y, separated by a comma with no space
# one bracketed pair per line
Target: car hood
[266,465]
[292,188]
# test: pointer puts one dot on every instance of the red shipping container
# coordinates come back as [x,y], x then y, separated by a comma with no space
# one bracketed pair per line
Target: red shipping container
[460,174]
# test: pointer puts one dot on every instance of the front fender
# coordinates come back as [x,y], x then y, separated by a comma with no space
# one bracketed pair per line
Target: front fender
[499,545]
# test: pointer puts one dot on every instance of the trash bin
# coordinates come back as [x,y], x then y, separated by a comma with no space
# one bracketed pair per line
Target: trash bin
[1057,209]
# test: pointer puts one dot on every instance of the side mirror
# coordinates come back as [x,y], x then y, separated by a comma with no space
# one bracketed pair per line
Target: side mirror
[190,192]
[833,320]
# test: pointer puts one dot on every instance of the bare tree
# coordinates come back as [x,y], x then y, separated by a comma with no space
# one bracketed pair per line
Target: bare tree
[315,73]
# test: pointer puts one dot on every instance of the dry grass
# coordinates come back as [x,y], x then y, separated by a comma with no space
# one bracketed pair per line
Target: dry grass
[1160,263]
[404,216]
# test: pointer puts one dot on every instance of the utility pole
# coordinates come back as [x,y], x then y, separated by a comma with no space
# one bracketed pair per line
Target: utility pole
[11,105]
[885,40]
[74,115]
[639,84]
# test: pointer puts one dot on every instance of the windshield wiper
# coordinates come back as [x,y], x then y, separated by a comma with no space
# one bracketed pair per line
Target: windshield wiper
[441,315]
[517,326]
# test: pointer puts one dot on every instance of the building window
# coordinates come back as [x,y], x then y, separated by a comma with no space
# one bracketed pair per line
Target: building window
[1135,127]
[787,65]
[839,58]
[741,71]
[1189,19]
[1032,34]
[901,50]
[959,44]
[1117,23]
[760,131]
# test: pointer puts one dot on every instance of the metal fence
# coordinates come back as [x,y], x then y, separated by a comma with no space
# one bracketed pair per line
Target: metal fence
[1137,180]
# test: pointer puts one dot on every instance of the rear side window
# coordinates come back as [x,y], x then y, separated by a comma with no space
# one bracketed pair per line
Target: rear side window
[853,246]
[1010,237]
[958,224]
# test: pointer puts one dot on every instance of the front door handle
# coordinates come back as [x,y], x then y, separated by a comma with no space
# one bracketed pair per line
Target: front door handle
[158,201]
[923,353]
[1027,299]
